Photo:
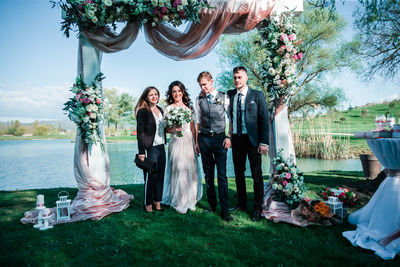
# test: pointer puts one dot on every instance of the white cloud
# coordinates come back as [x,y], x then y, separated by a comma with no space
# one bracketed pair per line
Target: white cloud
[34,102]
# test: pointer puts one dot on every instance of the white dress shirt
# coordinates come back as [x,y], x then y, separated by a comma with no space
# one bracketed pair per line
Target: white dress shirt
[234,112]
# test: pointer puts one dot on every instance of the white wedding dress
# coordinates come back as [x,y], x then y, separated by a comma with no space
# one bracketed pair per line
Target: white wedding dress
[182,184]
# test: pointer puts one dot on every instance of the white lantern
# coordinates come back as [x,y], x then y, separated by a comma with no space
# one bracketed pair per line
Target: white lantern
[63,206]
[336,206]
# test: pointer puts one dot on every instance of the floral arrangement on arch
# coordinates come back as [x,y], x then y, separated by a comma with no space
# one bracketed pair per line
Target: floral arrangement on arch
[86,14]
[85,109]
[177,117]
[287,181]
[343,194]
[279,39]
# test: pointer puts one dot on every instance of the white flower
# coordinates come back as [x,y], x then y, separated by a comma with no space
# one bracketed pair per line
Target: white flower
[271,71]
[280,187]
[86,119]
[184,2]
[154,2]
[153,24]
[95,108]
[107,2]
[274,186]
[93,115]
[90,14]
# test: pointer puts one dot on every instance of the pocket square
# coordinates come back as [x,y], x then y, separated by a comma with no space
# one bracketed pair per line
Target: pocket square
[252,102]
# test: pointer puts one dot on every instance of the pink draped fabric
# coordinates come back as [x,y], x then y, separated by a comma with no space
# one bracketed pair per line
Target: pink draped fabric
[95,198]
[226,16]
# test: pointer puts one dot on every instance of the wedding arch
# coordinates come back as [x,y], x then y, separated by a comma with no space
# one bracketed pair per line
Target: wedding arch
[206,22]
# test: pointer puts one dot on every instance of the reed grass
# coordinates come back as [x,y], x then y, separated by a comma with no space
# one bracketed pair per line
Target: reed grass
[317,138]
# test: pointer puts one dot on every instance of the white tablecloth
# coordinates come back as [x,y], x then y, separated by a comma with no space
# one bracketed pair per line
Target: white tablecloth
[381,216]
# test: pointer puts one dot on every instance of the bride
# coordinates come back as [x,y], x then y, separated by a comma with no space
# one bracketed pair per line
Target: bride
[182,185]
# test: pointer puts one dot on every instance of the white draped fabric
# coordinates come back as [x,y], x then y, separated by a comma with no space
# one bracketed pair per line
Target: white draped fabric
[380,218]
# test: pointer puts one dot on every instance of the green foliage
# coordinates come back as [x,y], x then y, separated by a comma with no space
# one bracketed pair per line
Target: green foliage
[40,130]
[378,23]
[324,52]
[240,50]
[118,109]
[316,96]
[20,131]
[132,237]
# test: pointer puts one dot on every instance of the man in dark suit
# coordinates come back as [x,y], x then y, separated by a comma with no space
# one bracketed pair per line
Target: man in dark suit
[248,128]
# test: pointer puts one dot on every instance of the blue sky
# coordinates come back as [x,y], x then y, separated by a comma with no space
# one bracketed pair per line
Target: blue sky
[38,65]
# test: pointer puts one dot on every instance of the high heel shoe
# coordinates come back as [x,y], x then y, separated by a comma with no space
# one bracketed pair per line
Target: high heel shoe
[155,207]
[148,211]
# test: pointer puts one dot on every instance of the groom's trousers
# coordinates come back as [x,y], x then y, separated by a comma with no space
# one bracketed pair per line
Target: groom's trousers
[213,154]
[242,148]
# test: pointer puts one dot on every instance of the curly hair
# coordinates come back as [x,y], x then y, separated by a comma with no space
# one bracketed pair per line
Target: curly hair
[185,95]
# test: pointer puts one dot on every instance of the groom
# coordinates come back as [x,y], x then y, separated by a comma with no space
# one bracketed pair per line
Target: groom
[248,128]
[212,143]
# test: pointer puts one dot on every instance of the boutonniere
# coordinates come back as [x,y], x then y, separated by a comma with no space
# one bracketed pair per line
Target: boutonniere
[218,101]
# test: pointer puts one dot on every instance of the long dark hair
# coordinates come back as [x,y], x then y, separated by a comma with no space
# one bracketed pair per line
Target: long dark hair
[143,102]
[185,95]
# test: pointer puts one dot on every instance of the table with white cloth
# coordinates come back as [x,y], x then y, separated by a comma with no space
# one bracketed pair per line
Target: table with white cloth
[381,216]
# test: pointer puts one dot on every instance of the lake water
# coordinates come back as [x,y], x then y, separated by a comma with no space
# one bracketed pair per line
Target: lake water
[33,164]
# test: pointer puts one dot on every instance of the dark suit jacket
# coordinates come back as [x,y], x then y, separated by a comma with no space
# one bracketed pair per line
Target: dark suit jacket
[146,129]
[255,114]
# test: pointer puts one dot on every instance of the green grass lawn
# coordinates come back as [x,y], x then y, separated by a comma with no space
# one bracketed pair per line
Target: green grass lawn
[135,238]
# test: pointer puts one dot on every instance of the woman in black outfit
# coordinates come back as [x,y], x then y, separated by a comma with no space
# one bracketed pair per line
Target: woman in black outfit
[151,140]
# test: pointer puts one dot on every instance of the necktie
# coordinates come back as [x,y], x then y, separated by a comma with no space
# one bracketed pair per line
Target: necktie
[239,114]
[209,97]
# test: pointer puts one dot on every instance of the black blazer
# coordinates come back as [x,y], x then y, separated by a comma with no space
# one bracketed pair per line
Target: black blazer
[146,129]
[255,114]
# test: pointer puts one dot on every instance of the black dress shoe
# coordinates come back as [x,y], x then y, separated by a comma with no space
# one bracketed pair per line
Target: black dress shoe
[256,216]
[209,210]
[238,208]
[226,216]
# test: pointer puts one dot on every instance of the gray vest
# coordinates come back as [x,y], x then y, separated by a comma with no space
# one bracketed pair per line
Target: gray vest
[212,115]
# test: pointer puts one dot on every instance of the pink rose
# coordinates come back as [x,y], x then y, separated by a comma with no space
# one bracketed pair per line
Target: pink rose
[292,37]
[78,96]
[98,101]
[283,47]
[182,14]
[176,3]
[295,57]
[285,183]
[283,36]
[288,175]
[88,1]
[164,9]
[86,101]
[300,55]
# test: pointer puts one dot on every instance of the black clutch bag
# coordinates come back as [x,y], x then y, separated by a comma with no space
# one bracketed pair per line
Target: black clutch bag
[147,165]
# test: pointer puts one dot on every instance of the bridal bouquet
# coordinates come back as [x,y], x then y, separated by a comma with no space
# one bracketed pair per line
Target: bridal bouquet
[86,111]
[343,194]
[287,181]
[177,117]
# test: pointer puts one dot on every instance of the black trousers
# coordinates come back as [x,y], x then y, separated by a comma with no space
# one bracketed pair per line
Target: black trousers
[154,183]
[213,154]
[242,148]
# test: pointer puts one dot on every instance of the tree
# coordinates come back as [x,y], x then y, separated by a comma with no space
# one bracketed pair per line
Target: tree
[40,130]
[314,97]
[323,53]
[125,108]
[110,106]
[35,124]
[20,131]
[378,23]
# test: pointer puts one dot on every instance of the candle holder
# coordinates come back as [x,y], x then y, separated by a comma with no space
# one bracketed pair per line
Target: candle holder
[46,217]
